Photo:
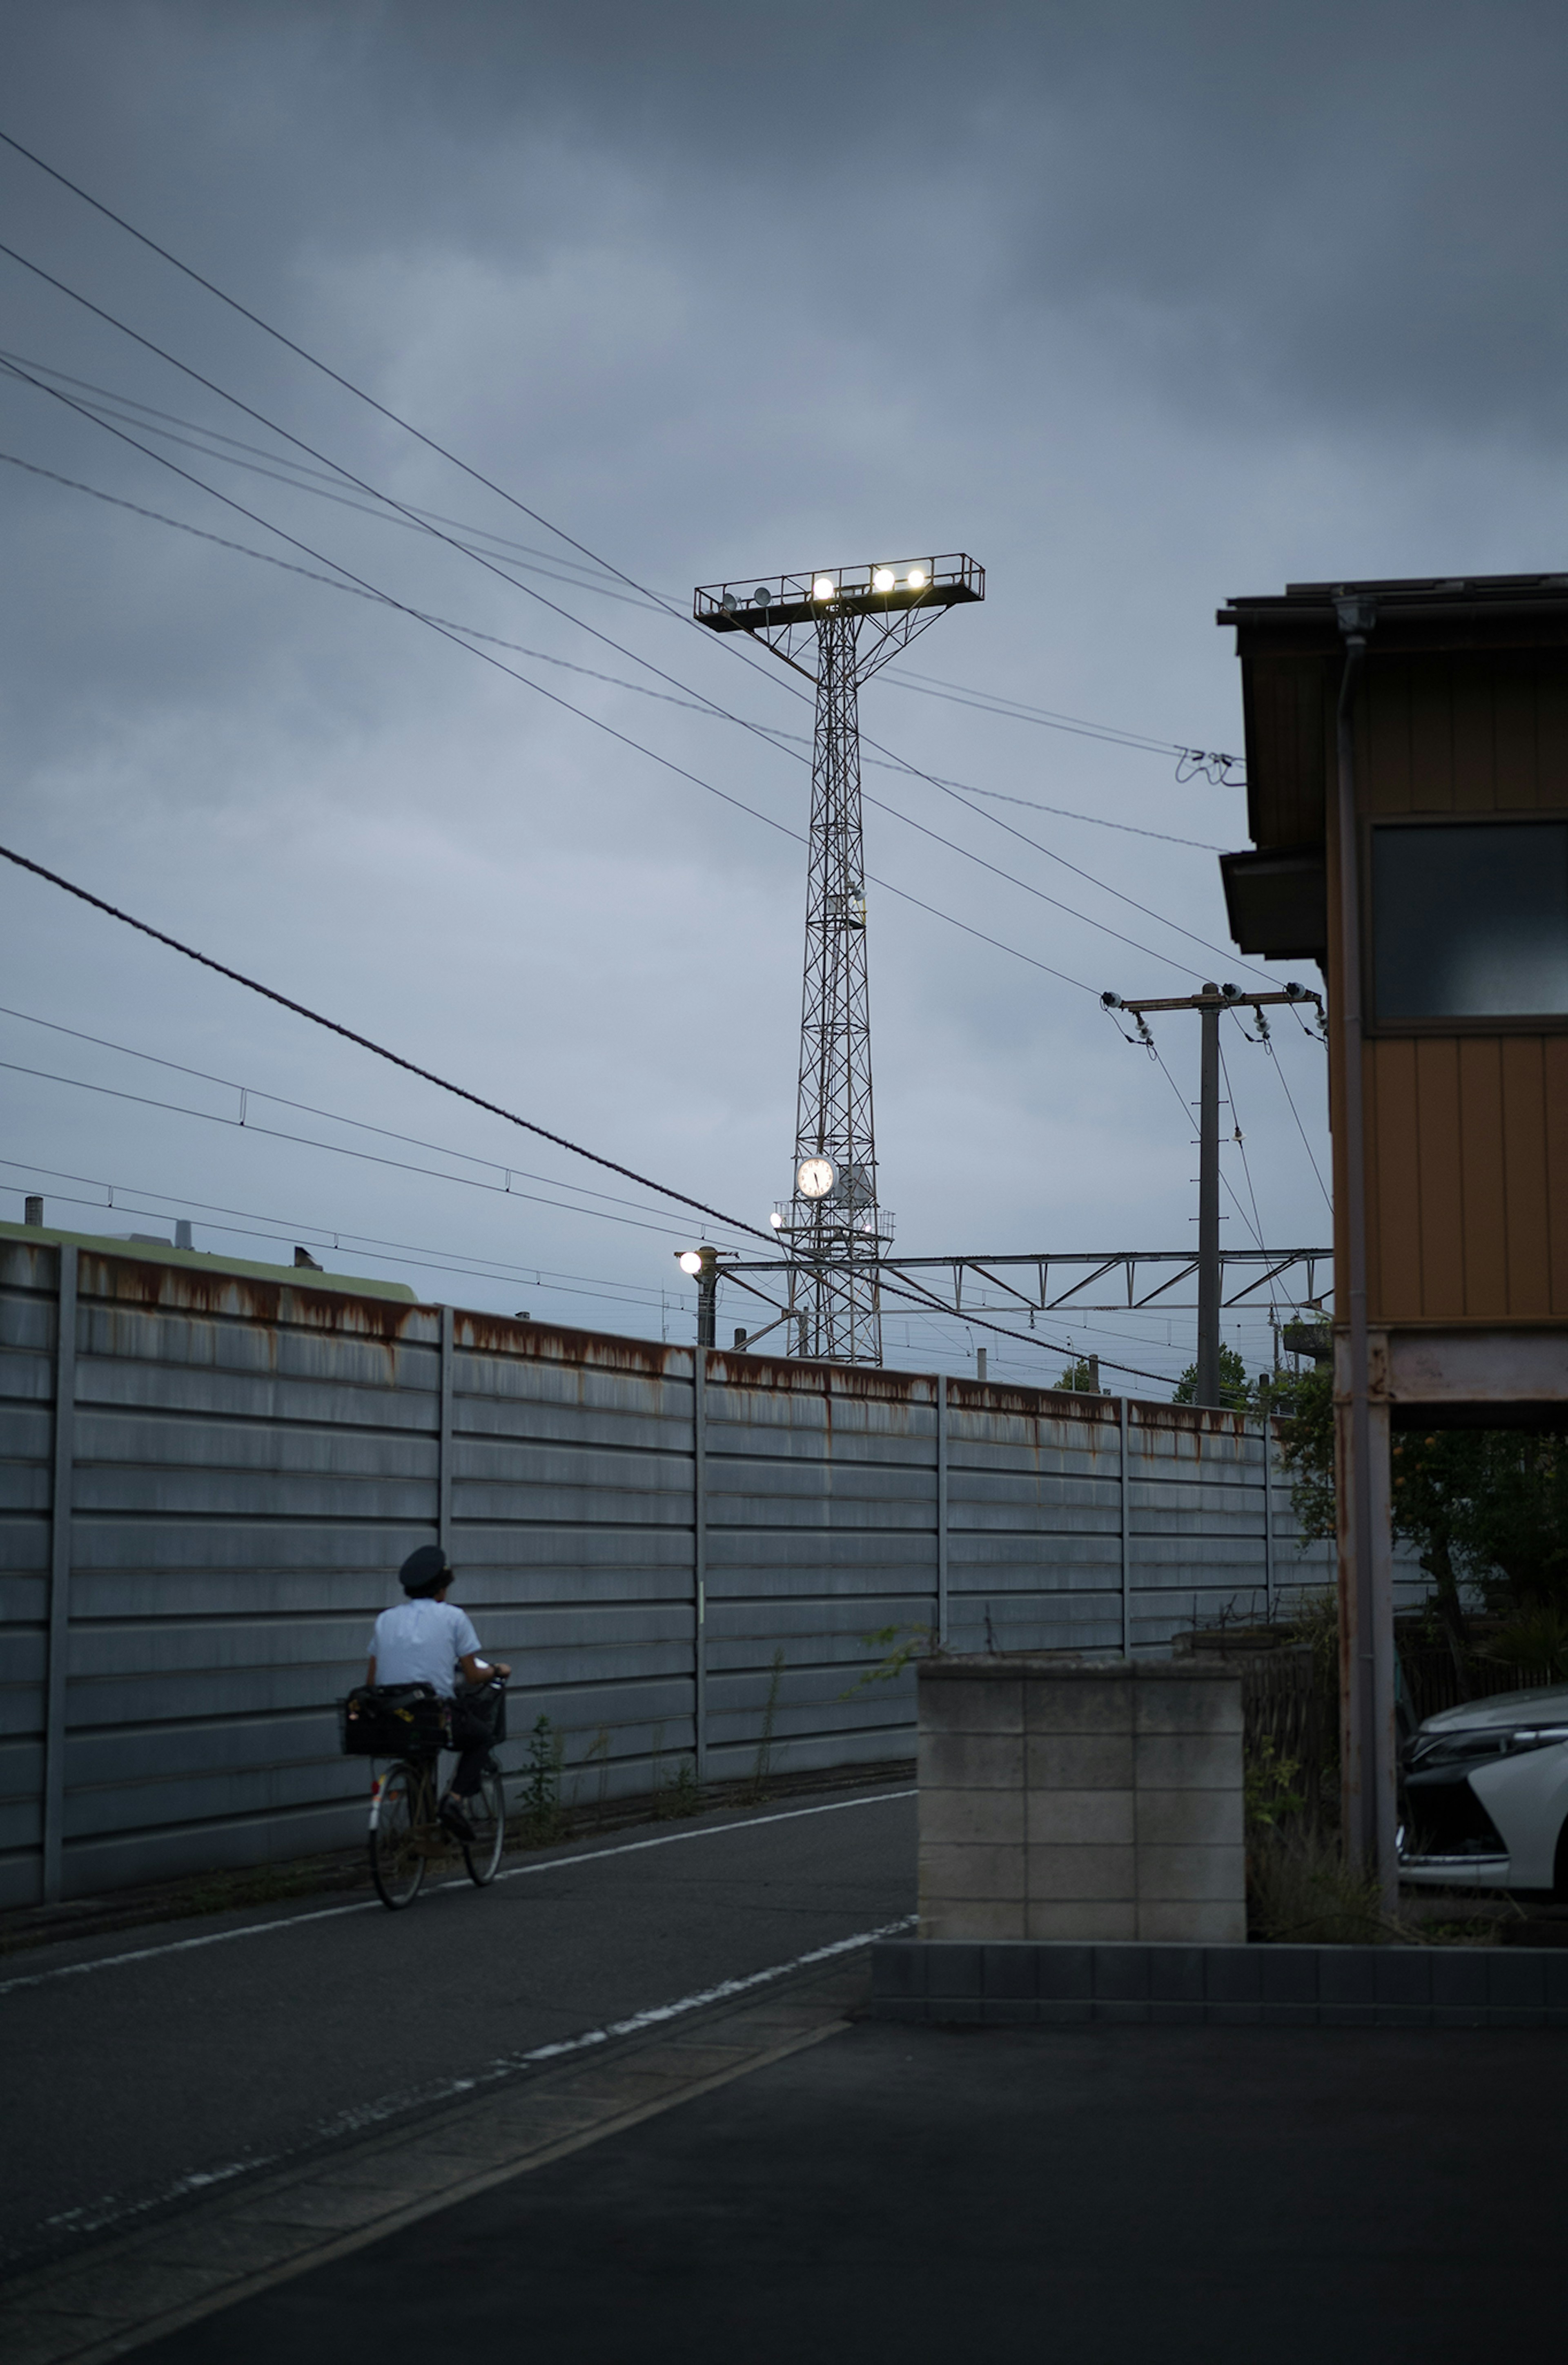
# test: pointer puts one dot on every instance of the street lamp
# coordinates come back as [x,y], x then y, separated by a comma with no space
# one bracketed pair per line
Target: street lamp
[701,1265]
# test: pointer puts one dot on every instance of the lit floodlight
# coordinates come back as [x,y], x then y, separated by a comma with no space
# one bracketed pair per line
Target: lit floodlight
[917,578]
[692,1264]
[776,1220]
[882,579]
[824,588]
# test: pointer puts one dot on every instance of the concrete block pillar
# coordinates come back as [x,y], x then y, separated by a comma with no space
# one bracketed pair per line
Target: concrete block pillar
[1060,1802]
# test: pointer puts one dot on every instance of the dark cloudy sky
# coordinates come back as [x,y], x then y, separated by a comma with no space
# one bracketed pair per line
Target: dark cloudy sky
[1142,305]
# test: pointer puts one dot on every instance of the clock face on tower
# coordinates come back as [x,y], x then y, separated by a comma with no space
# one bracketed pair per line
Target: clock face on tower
[814,1177]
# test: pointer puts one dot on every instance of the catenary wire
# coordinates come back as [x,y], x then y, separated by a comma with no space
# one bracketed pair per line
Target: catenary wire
[335,1117]
[1255,1227]
[588,575]
[414,518]
[87,411]
[244,1124]
[456,638]
[379,1050]
[313,360]
[358,1244]
[456,635]
[694,705]
[1317,1177]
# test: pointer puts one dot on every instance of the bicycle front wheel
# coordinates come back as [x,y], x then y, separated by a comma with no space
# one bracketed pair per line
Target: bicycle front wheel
[486,1811]
[396,1858]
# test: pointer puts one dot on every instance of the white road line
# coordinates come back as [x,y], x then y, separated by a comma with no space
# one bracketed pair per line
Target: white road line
[95,2217]
[374,1905]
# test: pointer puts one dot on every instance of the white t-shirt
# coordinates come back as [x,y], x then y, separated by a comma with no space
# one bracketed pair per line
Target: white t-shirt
[421,1642]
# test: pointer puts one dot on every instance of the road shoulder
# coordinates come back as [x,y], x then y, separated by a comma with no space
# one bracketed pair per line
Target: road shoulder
[129,2290]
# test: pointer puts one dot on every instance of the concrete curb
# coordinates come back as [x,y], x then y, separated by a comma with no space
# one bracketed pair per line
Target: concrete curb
[1025,1982]
[119,2294]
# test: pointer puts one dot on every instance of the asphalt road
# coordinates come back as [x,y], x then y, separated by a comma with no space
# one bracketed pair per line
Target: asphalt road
[189,2055]
[1230,2196]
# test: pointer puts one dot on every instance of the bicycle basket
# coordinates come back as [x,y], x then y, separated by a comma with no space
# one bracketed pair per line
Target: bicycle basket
[479,1718]
[392,1720]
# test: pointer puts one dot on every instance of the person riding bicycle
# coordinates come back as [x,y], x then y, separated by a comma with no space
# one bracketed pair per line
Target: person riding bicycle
[427,1640]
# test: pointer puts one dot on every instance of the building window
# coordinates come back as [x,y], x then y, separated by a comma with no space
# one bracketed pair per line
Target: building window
[1469,920]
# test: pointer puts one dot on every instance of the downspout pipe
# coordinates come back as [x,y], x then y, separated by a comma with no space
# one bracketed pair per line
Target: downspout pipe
[1367,1662]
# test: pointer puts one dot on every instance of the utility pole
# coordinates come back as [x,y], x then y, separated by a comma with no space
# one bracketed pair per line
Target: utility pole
[1208,1388]
[836,627]
[1209,1004]
[701,1265]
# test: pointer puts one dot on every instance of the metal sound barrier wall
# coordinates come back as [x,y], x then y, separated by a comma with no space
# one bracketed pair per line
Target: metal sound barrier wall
[209,1482]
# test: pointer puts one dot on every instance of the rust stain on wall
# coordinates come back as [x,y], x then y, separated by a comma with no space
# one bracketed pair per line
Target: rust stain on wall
[177,1289]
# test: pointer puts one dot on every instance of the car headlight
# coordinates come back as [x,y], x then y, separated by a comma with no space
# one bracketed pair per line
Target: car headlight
[1462,1751]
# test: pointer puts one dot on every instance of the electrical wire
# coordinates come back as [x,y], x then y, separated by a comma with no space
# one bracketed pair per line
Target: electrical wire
[244,1124]
[393,1058]
[471,632]
[455,636]
[1015,710]
[364,1244]
[477,475]
[249,1093]
[52,280]
[1255,1227]
[1306,1144]
[298,479]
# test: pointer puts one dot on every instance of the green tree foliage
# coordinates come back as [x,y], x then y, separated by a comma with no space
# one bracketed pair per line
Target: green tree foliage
[1483,1506]
[1077,1377]
[1235,1390]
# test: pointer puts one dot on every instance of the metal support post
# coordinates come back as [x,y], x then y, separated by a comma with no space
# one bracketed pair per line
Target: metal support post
[1207,1391]
[1268,1512]
[942,1509]
[54,1850]
[1125,1436]
[699,1559]
[1366,1590]
[444,1439]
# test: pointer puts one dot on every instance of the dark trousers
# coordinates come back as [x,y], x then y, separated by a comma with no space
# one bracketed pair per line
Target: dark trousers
[470,1770]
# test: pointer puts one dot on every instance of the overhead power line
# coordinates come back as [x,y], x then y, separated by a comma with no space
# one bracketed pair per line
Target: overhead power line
[660,600]
[358,1244]
[245,1124]
[249,1093]
[456,634]
[379,1050]
[402,509]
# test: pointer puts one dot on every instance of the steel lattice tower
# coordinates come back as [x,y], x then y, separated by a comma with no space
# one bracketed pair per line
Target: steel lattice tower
[833,1223]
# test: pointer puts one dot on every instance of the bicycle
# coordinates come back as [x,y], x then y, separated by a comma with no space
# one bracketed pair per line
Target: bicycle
[406,1835]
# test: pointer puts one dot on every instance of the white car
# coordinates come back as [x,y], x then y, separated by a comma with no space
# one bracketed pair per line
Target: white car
[1486,1795]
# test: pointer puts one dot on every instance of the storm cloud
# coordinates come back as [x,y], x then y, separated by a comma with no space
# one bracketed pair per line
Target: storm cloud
[1144,306]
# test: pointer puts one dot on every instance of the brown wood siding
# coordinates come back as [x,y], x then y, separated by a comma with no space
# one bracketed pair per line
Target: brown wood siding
[1463,733]
[1289,745]
[1467,1172]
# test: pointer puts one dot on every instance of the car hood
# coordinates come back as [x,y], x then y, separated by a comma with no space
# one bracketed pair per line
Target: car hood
[1548,1706]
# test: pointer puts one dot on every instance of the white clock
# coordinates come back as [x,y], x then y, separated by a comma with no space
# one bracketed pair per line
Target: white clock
[815,1177]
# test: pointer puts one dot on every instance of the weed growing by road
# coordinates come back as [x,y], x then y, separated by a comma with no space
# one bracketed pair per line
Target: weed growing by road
[544,1816]
[759,1772]
[918,1643]
[679,1794]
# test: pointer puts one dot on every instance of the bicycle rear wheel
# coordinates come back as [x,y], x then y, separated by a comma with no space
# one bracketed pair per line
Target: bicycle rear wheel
[397,1858]
[486,1811]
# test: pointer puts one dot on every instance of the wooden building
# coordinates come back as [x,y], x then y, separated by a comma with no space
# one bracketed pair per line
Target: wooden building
[1407,801]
